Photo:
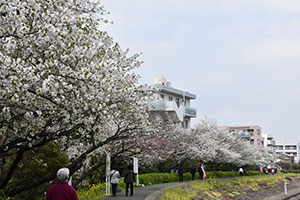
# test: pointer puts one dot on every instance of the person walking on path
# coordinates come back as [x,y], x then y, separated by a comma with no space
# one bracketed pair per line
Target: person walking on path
[62,190]
[200,172]
[180,174]
[114,180]
[193,172]
[241,171]
[129,179]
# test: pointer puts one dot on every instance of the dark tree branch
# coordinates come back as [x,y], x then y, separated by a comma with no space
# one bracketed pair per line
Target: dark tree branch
[12,168]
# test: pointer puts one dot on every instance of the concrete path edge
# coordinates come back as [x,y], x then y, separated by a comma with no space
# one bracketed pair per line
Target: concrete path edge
[153,195]
[281,196]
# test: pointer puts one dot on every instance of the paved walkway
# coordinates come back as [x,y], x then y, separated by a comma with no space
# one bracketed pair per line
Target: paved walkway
[142,193]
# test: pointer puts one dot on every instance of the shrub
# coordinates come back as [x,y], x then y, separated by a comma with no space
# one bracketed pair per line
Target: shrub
[158,178]
[290,171]
[290,166]
[2,196]
[92,192]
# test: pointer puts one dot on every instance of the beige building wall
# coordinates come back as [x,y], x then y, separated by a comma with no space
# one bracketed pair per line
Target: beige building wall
[251,133]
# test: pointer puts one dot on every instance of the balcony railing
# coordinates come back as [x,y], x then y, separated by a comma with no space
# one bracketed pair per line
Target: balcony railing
[245,135]
[191,112]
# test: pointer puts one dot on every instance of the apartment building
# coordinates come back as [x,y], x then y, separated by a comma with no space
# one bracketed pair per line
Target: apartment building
[286,158]
[289,149]
[252,133]
[269,141]
[174,103]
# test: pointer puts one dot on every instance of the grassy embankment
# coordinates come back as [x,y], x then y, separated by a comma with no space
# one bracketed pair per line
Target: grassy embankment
[224,189]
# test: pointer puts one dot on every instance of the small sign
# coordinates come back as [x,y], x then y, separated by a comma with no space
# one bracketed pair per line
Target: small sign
[107,173]
[135,165]
[136,169]
[107,163]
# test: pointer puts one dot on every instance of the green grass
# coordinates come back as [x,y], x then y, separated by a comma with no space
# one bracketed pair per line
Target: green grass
[224,188]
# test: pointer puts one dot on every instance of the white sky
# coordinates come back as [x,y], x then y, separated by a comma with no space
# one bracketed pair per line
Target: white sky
[240,57]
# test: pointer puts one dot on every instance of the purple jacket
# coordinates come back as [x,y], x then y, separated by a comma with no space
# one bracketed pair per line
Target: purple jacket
[61,191]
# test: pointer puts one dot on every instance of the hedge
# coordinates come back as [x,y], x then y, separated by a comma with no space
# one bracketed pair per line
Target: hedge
[290,171]
[158,178]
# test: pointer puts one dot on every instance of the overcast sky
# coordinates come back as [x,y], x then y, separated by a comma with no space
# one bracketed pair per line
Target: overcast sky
[240,57]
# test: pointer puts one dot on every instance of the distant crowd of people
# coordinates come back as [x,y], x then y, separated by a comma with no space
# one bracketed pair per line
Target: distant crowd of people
[193,171]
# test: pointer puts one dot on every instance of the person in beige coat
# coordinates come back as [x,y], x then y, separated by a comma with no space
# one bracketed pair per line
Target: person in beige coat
[114,180]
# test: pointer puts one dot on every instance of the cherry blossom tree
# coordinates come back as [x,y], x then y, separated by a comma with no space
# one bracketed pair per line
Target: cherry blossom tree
[209,143]
[62,79]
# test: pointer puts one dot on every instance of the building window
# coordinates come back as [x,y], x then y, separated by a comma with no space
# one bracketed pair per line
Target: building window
[251,142]
[162,96]
[289,147]
[279,147]
[186,124]
[177,102]
[170,98]
[258,131]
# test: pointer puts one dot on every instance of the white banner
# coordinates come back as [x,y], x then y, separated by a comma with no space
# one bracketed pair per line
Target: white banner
[136,169]
[135,165]
[107,173]
[107,163]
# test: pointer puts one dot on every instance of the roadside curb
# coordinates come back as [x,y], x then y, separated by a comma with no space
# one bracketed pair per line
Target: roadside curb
[282,196]
[156,194]
[153,195]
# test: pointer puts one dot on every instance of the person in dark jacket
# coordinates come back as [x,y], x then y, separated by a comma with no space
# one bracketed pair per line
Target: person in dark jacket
[193,172]
[62,190]
[129,179]
[200,172]
[180,174]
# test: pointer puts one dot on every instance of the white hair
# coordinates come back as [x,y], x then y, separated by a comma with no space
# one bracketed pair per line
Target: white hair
[63,174]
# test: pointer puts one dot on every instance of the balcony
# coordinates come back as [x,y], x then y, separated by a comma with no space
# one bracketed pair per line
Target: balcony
[180,111]
[245,135]
[191,112]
